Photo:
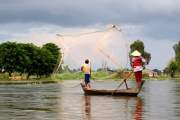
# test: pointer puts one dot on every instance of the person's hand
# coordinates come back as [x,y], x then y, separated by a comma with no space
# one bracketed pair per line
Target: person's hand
[82,68]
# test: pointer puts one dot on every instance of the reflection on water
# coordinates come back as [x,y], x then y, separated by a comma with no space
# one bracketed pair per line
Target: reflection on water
[87,107]
[137,115]
[157,100]
[135,105]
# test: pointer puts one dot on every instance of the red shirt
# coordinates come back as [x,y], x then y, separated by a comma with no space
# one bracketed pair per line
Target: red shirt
[137,63]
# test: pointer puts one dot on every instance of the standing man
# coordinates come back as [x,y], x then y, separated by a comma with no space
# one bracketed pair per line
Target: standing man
[86,68]
[137,65]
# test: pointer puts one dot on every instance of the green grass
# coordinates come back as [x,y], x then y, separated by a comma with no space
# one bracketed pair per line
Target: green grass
[100,75]
[68,76]
[103,75]
[4,76]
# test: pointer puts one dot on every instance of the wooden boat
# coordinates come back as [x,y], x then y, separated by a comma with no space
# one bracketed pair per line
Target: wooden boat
[119,92]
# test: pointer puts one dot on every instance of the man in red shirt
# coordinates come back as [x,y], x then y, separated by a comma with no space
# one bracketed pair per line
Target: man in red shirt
[137,65]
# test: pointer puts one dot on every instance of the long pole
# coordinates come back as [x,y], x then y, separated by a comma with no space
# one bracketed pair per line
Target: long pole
[124,80]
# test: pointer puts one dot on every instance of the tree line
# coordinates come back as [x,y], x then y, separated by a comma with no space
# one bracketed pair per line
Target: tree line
[174,65]
[28,58]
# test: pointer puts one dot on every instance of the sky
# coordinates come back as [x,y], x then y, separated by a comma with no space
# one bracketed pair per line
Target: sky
[155,22]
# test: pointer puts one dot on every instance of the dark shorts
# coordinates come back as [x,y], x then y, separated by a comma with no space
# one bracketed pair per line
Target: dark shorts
[87,78]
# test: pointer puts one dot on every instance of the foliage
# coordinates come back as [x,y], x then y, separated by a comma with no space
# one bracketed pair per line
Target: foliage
[172,68]
[176,48]
[12,57]
[54,49]
[139,45]
[28,58]
[174,65]
[56,54]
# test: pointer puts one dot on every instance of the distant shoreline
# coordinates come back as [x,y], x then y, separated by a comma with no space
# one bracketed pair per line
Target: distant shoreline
[55,78]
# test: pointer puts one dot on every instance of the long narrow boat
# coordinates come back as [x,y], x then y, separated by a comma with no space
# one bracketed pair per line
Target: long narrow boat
[119,92]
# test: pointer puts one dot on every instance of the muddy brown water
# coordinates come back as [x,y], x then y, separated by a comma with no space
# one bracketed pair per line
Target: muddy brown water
[158,100]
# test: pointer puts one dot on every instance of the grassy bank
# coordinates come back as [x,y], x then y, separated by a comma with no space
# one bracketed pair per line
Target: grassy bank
[103,75]
[100,75]
[163,77]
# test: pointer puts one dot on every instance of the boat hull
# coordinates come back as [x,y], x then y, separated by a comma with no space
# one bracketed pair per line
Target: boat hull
[119,92]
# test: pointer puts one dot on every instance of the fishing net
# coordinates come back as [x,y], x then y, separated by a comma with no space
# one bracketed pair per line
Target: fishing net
[106,48]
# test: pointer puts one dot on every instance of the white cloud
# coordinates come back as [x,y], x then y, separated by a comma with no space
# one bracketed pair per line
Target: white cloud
[152,21]
[99,47]
[161,52]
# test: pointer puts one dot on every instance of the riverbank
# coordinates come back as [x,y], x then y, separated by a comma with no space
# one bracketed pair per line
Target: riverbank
[105,75]
[98,75]
[27,82]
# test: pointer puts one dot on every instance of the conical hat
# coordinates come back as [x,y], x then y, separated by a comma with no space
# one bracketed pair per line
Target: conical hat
[136,53]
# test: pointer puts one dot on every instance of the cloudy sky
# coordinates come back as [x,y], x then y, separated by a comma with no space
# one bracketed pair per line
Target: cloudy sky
[155,22]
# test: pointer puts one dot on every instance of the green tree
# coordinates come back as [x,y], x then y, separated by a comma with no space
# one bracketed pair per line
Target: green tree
[166,70]
[12,58]
[22,58]
[139,45]
[172,68]
[53,48]
[31,52]
[28,58]
[176,48]
[55,51]
[42,62]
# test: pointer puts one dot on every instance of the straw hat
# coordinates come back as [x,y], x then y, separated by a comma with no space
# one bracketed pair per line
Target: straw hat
[136,53]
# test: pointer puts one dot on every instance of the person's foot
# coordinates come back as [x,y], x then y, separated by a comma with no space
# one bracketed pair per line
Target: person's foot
[136,89]
[88,88]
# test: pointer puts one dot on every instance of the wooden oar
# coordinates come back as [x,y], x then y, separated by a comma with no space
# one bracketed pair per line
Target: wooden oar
[124,80]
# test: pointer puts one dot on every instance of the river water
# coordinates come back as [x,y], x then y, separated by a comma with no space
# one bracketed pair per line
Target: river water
[158,100]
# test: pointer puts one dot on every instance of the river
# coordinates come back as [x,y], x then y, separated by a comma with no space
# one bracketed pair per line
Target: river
[158,100]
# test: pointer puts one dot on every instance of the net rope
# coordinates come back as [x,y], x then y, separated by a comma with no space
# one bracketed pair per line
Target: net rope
[99,46]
